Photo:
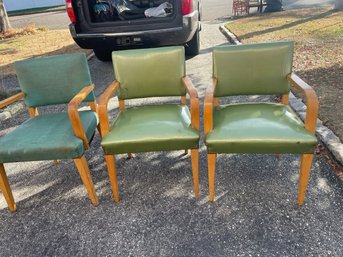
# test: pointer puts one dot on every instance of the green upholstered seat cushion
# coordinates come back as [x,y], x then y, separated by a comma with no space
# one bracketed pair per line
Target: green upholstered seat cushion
[252,69]
[150,72]
[258,128]
[53,79]
[46,137]
[151,128]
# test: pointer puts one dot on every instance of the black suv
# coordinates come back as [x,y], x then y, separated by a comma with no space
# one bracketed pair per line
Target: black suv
[110,25]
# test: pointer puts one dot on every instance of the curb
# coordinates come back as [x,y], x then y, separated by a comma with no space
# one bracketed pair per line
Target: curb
[11,110]
[326,135]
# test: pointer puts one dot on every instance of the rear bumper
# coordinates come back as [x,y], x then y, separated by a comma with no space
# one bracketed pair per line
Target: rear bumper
[158,37]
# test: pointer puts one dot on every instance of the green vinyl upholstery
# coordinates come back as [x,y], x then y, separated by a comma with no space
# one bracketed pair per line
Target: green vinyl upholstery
[252,69]
[142,73]
[149,73]
[252,127]
[258,128]
[63,79]
[151,128]
[46,137]
[53,79]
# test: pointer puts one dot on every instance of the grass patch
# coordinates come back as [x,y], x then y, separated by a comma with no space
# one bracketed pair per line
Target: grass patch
[318,37]
[32,42]
[28,30]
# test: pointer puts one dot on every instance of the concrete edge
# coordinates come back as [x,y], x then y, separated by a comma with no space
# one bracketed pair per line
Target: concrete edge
[326,135]
[11,110]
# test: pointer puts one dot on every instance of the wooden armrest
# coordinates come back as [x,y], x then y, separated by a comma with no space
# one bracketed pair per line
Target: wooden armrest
[74,114]
[208,107]
[11,99]
[311,101]
[103,102]
[194,101]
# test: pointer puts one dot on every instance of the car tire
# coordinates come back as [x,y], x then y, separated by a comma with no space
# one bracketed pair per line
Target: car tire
[104,55]
[193,46]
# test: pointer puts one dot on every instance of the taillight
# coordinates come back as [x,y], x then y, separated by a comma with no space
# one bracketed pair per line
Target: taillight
[186,6]
[70,11]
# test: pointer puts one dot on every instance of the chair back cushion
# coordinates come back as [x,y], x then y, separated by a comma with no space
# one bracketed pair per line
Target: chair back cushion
[150,72]
[252,69]
[53,79]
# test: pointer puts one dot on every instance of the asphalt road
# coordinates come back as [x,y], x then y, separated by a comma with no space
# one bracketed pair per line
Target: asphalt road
[254,213]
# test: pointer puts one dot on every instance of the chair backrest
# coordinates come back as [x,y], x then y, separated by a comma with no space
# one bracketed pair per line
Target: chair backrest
[53,79]
[252,69]
[150,72]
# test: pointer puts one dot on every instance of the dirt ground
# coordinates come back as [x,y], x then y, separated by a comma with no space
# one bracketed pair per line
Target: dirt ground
[318,57]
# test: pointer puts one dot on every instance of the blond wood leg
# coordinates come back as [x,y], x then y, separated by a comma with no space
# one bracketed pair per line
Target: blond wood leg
[183,100]
[195,170]
[82,167]
[6,190]
[111,167]
[33,111]
[99,130]
[129,155]
[94,107]
[211,163]
[56,161]
[305,168]
[285,99]
[216,101]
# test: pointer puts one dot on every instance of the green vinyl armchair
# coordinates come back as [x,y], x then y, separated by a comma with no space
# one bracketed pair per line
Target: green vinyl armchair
[144,73]
[258,69]
[47,81]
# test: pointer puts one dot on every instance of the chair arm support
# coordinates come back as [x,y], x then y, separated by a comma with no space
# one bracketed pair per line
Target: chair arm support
[194,102]
[11,99]
[102,109]
[74,113]
[208,107]
[311,101]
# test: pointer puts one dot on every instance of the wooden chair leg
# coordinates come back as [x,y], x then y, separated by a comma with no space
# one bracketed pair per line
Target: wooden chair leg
[211,164]
[305,168]
[195,170]
[99,130]
[82,167]
[111,167]
[56,162]
[129,155]
[186,151]
[6,190]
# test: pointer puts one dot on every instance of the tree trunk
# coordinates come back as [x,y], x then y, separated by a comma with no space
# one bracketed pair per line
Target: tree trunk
[4,22]
[339,5]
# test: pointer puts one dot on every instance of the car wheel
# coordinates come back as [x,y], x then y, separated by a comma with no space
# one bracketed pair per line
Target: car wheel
[193,46]
[104,55]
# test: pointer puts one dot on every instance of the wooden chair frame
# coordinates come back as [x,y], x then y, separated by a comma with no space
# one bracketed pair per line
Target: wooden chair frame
[80,163]
[105,128]
[211,102]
